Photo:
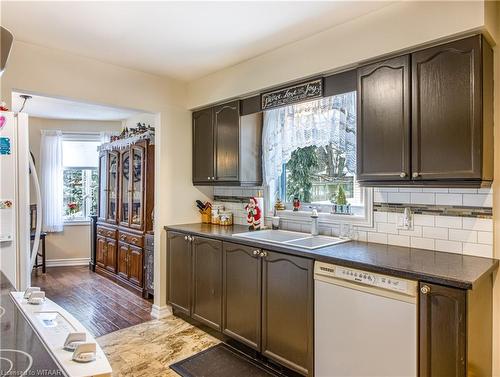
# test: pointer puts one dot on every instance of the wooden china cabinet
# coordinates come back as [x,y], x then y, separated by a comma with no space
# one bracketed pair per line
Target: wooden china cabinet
[125,213]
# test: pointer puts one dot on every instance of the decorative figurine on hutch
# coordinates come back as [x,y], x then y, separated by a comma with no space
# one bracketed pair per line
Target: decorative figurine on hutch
[296,204]
[254,214]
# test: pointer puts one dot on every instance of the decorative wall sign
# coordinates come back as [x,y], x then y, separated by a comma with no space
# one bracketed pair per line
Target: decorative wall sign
[5,204]
[293,94]
[4,146]
[3,120]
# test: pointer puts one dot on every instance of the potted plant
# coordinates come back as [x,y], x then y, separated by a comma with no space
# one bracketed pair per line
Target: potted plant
[341,205]
[72,209]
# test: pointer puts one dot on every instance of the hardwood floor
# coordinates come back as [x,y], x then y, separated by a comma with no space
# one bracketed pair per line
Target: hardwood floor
[99,304]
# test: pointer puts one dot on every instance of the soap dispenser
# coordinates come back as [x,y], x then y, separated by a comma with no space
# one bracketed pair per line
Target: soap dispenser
[314,222]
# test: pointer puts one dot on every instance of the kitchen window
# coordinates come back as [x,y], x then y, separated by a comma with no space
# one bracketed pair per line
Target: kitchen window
[310,154]
[80,176]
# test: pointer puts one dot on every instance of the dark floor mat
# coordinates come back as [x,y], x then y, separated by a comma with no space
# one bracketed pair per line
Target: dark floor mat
[221,361]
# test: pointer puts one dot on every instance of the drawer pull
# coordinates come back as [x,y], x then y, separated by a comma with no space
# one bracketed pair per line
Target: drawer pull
[425,289]
[134,240]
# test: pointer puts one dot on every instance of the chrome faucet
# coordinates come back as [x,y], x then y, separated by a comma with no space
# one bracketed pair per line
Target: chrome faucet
[314,222]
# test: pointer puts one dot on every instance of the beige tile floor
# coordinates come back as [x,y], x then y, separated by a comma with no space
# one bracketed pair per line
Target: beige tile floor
[149,348]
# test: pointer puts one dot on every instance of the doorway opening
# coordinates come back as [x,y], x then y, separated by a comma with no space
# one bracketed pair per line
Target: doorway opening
[95,167]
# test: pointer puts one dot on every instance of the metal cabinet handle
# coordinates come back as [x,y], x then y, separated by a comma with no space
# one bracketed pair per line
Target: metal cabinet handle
[402,175]
[185,238]
[263,254]
[425,289]
[209,178]
[416,175]
[256,252]
[213,178]
[134,239]
[191,239]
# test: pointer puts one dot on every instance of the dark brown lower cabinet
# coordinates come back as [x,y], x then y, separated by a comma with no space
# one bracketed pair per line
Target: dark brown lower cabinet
[110,260]
[207,281]
[100,254]
[242,277]
[287,311]
[135,265]
[130,263]
[122,269]
[455,330]
[179,264]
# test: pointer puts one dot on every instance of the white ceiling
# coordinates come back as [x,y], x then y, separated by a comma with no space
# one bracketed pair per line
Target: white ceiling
[57,108]
[184,40]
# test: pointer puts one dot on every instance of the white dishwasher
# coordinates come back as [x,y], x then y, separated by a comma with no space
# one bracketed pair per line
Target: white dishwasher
[365,324]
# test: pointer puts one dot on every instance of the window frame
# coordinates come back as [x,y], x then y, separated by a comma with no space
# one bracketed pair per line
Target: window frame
[324,210]
[80,137]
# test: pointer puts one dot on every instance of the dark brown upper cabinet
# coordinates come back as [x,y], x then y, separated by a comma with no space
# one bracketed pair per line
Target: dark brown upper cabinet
[384,120]
[443,135]
[227,141]
[450,127]
[203,146]
[227,146]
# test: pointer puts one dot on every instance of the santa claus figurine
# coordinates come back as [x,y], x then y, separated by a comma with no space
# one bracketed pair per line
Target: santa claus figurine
[254,214]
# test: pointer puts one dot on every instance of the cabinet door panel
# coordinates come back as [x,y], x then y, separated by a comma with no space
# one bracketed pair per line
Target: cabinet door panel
[227,144]
[383,134]
[137,186]
[203,146]
[123,252]
[103,185]
[287,311]
[125,187]
[111,255]
[447,111]
[242,294]
[100,256]
[112,210]
[207,288]
[442,331]
[179,272]
[135,265]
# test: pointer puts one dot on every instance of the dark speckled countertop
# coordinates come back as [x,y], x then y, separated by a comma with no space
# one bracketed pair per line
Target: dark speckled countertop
[455,270]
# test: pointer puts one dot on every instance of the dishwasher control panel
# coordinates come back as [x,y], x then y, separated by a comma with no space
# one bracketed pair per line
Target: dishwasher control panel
[366,278]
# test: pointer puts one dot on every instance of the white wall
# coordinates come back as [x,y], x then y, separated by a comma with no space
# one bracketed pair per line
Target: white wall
[387,30]
[146,118]
[59,74]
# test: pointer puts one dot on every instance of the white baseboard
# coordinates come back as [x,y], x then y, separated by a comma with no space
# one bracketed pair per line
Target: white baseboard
[159,312]
[67,262]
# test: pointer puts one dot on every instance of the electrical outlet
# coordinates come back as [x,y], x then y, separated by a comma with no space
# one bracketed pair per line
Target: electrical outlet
[405,219]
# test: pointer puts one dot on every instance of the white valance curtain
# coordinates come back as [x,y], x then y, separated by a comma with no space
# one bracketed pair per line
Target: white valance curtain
[52,180]
[323,122]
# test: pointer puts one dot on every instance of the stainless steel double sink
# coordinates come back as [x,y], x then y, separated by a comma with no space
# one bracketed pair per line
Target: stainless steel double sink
[288,238]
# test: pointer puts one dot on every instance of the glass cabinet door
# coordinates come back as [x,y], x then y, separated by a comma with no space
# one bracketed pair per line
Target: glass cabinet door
[124,184]
[113,186]
[137,186]
[103,188]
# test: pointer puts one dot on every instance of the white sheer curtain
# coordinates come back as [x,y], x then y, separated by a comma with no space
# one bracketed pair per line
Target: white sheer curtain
[326,121]
[52,180]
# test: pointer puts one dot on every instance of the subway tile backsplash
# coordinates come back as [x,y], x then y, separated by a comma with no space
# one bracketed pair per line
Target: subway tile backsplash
[447,219]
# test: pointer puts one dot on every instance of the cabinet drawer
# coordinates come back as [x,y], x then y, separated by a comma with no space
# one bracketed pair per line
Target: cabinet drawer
[106,232]
[133,239]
